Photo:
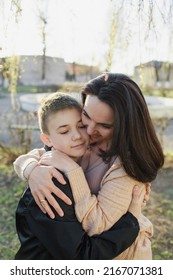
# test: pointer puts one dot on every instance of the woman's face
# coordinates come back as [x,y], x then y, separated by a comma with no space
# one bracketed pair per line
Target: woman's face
[98,117]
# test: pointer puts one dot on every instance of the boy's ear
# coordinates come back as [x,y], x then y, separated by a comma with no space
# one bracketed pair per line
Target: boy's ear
[45,139]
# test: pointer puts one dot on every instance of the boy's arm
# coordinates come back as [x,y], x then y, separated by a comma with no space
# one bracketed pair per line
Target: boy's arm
[64,238]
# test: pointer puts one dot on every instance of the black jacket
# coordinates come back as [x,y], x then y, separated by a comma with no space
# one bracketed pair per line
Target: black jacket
[63,237]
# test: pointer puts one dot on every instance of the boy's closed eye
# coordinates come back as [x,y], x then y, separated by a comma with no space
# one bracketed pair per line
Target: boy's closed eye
[64,132]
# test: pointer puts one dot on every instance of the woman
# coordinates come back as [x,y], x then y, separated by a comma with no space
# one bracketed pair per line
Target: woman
[124,151]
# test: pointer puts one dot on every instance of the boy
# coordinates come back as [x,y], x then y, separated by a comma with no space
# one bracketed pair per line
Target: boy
[63,237]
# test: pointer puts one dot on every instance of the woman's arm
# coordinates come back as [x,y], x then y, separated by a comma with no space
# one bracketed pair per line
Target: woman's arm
[39,177]
[24,164]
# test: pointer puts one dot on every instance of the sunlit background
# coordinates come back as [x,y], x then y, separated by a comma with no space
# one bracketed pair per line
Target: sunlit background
[117,35]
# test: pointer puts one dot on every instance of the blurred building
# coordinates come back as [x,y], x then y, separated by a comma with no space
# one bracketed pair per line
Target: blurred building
[33,71]
[81,73]
[42,71]
[155,74]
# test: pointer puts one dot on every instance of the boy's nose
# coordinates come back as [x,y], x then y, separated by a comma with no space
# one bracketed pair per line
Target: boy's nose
[76,135]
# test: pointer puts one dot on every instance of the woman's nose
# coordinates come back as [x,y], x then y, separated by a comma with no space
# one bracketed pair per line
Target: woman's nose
[90,128]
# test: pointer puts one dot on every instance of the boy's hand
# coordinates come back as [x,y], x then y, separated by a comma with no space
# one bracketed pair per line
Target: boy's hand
[147,194]
[42,187]
[137,201]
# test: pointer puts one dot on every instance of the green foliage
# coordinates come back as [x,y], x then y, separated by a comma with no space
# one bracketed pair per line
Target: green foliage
[158,92]
[8,154]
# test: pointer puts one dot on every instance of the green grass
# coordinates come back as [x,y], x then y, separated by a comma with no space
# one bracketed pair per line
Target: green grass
[10,192]
[22,89]
[162,242]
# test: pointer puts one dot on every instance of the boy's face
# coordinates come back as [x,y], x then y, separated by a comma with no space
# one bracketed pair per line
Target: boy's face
[67,133]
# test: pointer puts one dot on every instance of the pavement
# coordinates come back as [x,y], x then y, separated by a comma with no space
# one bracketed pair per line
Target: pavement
[9,117]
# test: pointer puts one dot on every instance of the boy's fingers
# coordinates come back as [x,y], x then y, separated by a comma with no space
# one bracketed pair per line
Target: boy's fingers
[138,194]
[148,188]
[136,189]
[146,197]
[135,192]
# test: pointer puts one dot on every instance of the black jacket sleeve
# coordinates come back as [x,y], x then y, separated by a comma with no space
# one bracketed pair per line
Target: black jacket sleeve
[63,237]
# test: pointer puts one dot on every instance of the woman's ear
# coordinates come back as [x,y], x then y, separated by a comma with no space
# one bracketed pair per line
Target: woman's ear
[45,138]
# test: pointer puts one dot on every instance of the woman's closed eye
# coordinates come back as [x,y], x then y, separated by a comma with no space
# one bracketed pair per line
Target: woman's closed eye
[85,114]
[82,125]
[107,126]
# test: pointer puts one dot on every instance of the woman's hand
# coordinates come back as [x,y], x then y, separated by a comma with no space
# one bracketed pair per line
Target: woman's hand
[59,160]
[42,187]
[138,195]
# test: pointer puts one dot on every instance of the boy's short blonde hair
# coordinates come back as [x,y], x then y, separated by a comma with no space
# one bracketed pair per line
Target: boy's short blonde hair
[53,104]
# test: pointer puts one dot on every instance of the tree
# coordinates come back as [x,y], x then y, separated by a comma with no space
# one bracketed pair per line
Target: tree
[137,25]
[10,65]
[43,30]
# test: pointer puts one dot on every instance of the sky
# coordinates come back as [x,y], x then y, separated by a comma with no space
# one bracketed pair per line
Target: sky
[78,30]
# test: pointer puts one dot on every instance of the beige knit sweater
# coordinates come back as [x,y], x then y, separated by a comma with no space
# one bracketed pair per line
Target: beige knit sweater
[99,213]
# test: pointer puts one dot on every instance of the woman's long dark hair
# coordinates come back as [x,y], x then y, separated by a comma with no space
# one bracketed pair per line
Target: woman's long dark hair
[134,138]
